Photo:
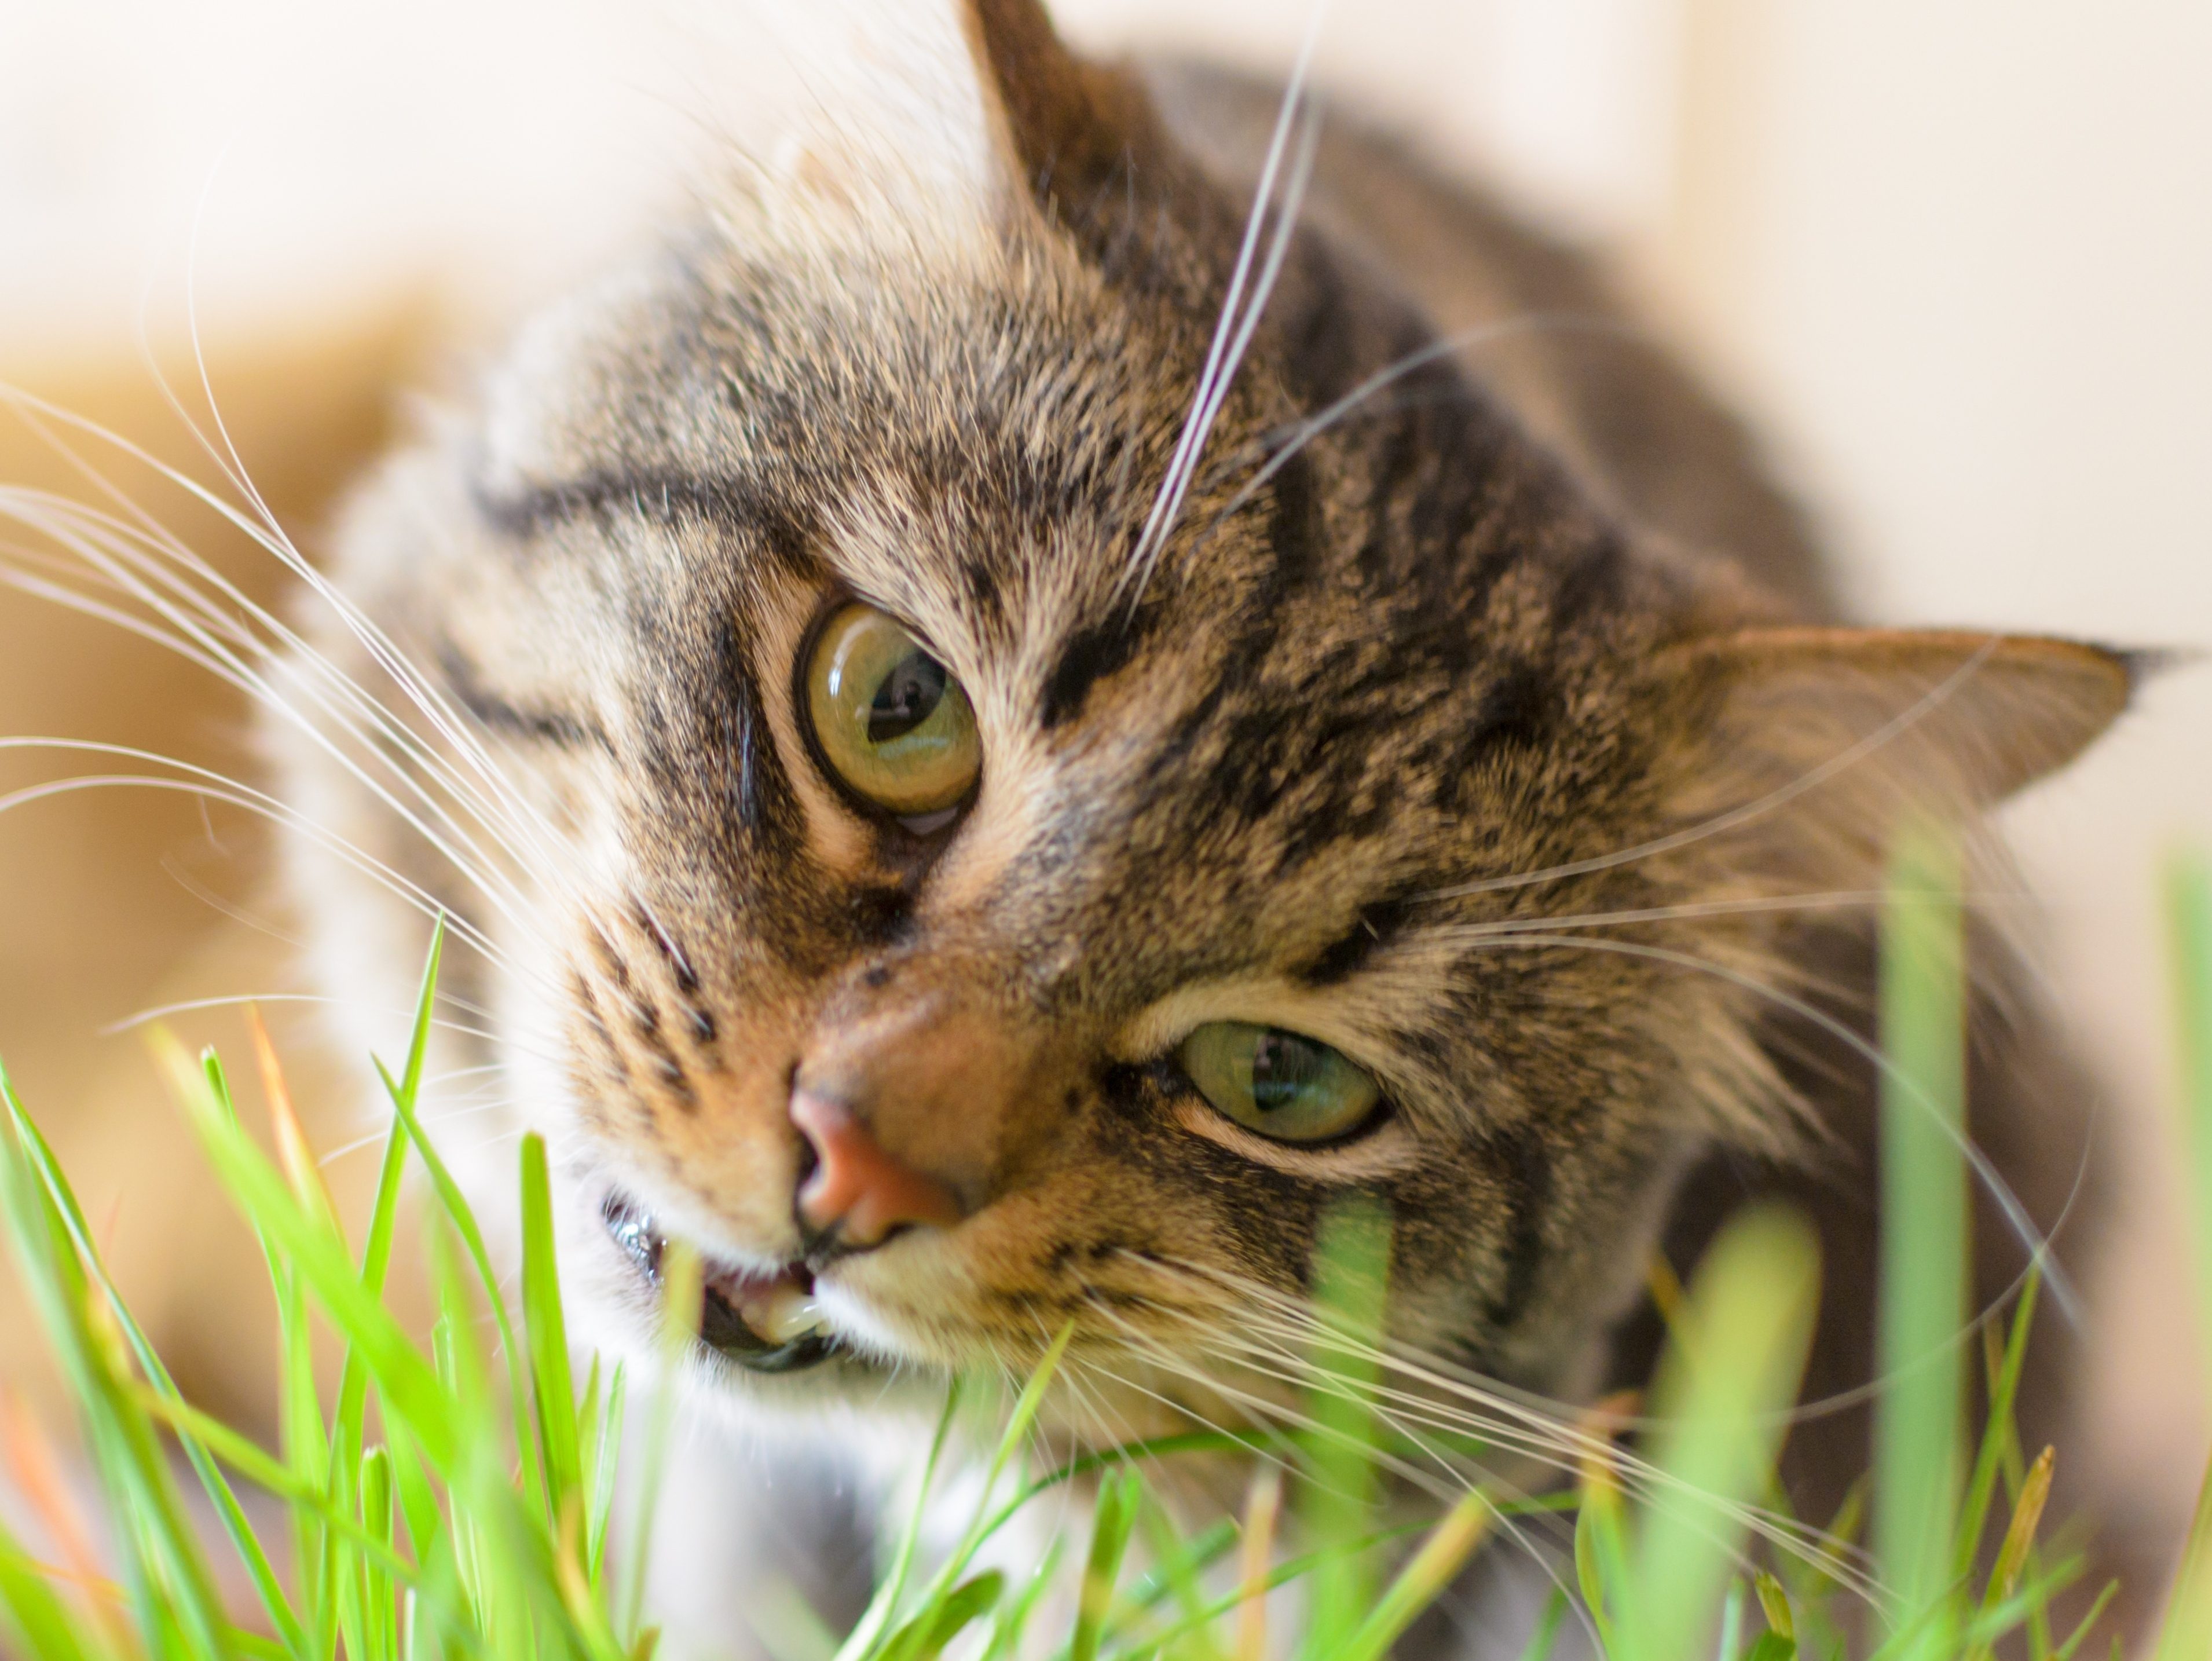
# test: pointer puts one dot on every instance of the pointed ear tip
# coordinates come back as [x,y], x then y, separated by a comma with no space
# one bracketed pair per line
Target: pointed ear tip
[2144,664]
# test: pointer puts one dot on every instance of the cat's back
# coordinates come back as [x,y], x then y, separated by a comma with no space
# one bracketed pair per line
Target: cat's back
[1545,331]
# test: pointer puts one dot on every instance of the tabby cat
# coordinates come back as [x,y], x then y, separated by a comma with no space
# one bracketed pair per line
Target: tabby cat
[1084,664]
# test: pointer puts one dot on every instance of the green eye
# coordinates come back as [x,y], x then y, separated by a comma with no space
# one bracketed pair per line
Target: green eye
[892,721]
[1292,1088]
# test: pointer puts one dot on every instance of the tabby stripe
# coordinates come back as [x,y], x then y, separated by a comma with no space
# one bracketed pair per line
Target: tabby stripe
[464,680]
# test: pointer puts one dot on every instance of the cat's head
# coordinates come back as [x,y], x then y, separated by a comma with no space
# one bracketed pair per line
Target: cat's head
[998,817]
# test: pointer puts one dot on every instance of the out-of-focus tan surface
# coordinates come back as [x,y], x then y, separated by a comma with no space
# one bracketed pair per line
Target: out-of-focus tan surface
[113,901]
[1952,255]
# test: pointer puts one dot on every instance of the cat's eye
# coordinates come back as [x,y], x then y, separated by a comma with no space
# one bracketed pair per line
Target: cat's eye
[1282,1085]
[891,720]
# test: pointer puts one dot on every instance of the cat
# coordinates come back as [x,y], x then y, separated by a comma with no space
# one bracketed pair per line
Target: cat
[1085,663]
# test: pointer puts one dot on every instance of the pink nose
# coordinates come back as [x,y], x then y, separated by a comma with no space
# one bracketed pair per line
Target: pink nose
[857,1187]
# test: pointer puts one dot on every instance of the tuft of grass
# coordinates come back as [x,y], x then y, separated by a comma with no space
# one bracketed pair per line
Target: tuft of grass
[452,1494]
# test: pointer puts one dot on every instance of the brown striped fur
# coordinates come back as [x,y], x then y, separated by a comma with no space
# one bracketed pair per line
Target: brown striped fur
[1526,638]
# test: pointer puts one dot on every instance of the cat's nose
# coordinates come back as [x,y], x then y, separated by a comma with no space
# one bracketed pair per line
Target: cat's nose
[858,1194]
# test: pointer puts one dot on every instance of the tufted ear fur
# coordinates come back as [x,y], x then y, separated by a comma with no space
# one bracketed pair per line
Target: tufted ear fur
[949,113]
[1864,724]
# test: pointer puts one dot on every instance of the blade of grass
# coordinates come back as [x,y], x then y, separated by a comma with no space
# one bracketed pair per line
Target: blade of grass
[2187,1631]
[552,1387]
[2082,1628]
[1263,1508]
[1545,1637]
[1009,1630]
[463,1218]
[1720,1402]
[2189,912]
[2004,1392]
[320,1255]
[1918,1417]
[682,1288]
[1112,1519]
[384,1210]
[2019,1540]
[1337,1500]
[48,1627]
[2186,1635]
[984,1523]
[1601,1545]
[1426,1573]
[172,1585]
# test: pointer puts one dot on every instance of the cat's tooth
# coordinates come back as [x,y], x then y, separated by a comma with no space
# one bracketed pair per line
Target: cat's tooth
[788,1316]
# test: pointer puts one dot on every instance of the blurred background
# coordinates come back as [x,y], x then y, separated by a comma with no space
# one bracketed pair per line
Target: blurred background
[1954,257]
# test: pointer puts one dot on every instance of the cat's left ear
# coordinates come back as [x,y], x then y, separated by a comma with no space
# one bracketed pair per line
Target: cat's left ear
[949,113]
[1859,726]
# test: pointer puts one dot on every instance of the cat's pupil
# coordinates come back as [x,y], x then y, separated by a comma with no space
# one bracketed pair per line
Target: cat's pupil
[910,695]
[1283,1067]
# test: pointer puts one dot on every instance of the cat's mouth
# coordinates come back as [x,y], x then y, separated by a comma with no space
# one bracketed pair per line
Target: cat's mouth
[766,1322]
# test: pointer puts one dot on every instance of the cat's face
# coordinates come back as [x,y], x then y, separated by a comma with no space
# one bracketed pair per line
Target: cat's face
[963,901]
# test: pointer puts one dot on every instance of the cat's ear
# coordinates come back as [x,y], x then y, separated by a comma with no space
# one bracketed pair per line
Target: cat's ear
[1068,127]
[1860,725]
[950,113]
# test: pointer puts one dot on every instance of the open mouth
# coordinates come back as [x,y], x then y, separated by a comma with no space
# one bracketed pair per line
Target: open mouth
[767,1322]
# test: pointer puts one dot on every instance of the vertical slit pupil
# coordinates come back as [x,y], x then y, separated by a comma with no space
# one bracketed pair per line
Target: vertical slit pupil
[1284,1066]
[907,697]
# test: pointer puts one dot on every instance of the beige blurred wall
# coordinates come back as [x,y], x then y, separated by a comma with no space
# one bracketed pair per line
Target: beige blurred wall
[1955,255]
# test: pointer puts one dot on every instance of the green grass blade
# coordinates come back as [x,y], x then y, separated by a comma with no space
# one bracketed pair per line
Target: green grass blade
[1009,1630]
[947,1617]
[241,1454]
[1423,1579]
[552,1387]
[1296,1568]
[876,1620]
[1177,1563]
[1026,1407]
[2004,1392]
[2087,1623]
[1918,1418]
[172,1587]
[2189,911]
[1339,1500]
[231,1515]
[682,1286]
[2186,1635]
[1721,1400]
[383,1209]
[2187,1629]
[1113,1518]
[346,1424]
[48,1628]
[463,1217]
[1545,1637]
[313,1248]
[604,1462]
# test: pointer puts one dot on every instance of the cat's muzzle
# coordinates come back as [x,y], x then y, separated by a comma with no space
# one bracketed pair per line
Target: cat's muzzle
[766,1322]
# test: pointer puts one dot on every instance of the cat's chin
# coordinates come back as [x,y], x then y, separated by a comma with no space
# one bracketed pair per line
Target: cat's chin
[765,1323]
